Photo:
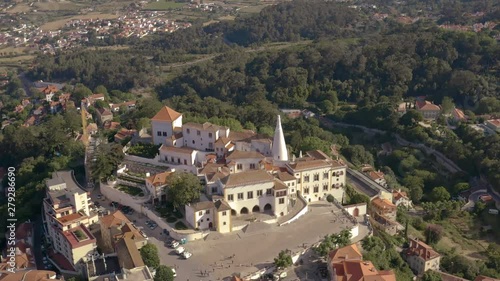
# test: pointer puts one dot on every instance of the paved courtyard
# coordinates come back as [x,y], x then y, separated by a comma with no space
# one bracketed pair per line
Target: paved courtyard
[254,247]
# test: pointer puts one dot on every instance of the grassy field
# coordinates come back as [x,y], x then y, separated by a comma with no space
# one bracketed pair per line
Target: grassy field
[57,6]
[54,25]
[163,5]
[252,9]
[16,59]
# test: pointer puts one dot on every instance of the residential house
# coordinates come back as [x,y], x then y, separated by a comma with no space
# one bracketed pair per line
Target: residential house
[124,134]
[127,105]
[421,257]
[346,264]
[378,177]
[48,91]
[458,115]
[104,115]
[493,124]
[90,100]
[210,215]
[92,129]
[401,198]
[164,124]
[67,216]
[116,226]
[156,185]
[178,155]
[383,213]
[428,109]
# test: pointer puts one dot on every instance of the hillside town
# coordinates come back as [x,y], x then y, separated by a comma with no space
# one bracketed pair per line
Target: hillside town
[76,32]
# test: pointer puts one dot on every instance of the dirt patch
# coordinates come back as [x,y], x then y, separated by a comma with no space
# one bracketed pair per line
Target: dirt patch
[19,8]
[55,25]
[56,6]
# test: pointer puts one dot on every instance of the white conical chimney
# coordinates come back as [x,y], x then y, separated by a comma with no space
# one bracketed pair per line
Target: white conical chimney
[279,146]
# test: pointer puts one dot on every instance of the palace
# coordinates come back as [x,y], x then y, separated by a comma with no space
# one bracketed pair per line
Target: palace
[244,172]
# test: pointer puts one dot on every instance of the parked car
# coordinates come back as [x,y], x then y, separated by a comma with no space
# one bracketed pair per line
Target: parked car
[174,244]
[186,255]
[180,250]
[99,196]
[174,272]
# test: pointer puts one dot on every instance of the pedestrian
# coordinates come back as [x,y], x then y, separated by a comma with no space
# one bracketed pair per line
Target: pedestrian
[232,261]
[201,272]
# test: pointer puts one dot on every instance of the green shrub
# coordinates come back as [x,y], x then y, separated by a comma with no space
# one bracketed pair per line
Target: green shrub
[178,214]
[171,219]
[180,226]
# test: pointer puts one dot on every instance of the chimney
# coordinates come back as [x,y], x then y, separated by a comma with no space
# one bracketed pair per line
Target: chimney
[428,254]
[219,169]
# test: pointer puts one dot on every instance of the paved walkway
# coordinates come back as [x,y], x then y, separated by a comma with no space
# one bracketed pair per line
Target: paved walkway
[253,248]
[299,205]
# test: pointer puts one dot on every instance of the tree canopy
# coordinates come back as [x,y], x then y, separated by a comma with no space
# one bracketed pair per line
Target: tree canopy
[183,188]
[149,254]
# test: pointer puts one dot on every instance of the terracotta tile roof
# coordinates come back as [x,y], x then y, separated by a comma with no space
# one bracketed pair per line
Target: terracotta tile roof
[214,171]
[128,254]
[166,114]
[114,219]
[237,154]
[307,164]
[223,140]
[159,179]
[124,133]
[419,248]
[247,178]
[494,122]
[285,176]
[397,194]
[382,203]
[246,135]
[459,114]
[427,106]
[358,270]
[205,126]
[279,185]
[182,150]
[111,125]
[204,205]
[376,175]
[104,112]
[70,218]
[222,205]
[350,252]
[318,154]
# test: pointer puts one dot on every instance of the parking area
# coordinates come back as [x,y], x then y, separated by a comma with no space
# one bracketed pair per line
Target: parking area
[245,251]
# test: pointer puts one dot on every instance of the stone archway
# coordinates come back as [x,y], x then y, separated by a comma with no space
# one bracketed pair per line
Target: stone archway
[233,212]
[255,209]
[244,211]
[268,207]
[355,213]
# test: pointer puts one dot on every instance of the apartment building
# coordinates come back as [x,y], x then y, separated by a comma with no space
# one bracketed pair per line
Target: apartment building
[67,216]
[203,136]
[421,257]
